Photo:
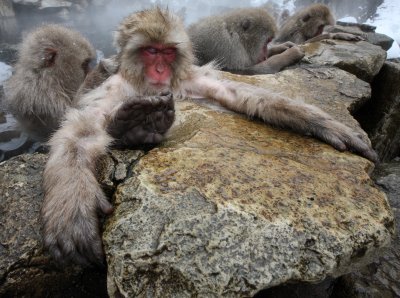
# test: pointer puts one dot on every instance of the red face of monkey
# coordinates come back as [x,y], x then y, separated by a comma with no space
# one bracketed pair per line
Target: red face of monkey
[157,60]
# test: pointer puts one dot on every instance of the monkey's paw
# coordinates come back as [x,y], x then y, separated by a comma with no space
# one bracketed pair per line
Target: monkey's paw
[280,48]
[343,138]
[347,36]
[71,231]
[143,120]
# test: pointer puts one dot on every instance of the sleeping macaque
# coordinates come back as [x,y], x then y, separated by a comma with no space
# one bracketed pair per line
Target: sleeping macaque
[238,41]
[155,57]
[54,70]
[307,25]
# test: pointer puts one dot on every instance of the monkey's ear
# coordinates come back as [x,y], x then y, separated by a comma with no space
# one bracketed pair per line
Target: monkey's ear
[306,18]
[245,24]
[49,57]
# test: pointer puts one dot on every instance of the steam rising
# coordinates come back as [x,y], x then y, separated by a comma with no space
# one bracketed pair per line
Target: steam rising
[99,21]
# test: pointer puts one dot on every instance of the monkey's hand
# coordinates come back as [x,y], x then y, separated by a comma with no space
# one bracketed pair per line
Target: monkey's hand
[277,62]
[280,48]
[142,120]
[340,136]
[346,36]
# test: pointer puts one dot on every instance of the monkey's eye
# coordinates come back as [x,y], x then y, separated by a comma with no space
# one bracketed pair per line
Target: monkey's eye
[150,50]
[169,51]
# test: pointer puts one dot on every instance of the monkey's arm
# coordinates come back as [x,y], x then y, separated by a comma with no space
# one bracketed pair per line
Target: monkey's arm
[282,112]
[275,49]
[72,196]
[277,62]
[338,35]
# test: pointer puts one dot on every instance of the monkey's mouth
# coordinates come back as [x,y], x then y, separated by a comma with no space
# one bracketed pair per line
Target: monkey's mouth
[158,84]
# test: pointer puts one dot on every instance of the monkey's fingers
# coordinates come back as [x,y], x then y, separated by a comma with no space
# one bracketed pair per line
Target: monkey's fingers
[347,36]
[343,138]
[357,145]
[163,121]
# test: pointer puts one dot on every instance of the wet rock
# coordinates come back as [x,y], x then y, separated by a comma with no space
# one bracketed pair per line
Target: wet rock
[380,117]
[25,271]
[359,58]
[382,277]
[366,31]
[228,206]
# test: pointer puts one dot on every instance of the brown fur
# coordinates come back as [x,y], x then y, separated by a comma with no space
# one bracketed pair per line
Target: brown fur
[102,71]
[235,41]
[47,75]
[305,24]
[73,197]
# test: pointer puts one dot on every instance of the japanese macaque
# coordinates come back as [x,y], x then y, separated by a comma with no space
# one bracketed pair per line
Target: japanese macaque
[238,42]
[54,70]
[307,25]
[155,57]
[53,63]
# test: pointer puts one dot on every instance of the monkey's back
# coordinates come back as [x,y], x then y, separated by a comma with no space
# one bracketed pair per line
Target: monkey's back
[231,39]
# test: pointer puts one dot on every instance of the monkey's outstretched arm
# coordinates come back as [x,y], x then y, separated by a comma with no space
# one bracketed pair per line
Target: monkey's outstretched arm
[337,35]
[282,112]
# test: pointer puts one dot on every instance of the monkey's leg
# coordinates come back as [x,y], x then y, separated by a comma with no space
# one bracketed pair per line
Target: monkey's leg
[142,120]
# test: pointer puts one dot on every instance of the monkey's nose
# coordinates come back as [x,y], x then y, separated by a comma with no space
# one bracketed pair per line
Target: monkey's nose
[160,67]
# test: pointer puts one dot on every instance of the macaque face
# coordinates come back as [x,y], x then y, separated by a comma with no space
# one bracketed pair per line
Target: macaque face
[157,60]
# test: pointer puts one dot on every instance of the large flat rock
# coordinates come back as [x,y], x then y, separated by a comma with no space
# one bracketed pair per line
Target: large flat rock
[229,206]
[362,58]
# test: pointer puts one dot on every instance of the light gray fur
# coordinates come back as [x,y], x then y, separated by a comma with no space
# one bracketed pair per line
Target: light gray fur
[38,94]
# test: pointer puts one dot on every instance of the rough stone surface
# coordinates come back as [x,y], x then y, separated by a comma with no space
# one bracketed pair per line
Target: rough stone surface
[25,271]
[382,277]
[380,117]
[228,206]
[382,40]
[359,58]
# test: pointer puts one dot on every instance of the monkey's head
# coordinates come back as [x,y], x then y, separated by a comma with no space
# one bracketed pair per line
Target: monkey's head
[255,28]
[314,18]
[155,53]
[59,55]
